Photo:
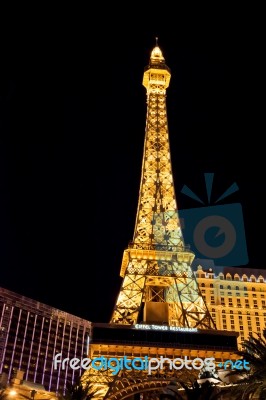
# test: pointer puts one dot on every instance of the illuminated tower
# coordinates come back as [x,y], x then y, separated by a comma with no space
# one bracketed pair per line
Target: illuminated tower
[159,311]
[158,283]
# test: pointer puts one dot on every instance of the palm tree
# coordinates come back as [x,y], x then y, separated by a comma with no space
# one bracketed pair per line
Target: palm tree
[253,381]
[79,391]
[193,390]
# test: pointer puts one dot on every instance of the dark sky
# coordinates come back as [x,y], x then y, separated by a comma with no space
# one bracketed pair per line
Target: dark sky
[73,112]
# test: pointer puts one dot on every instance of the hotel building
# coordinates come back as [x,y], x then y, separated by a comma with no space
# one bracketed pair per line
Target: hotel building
[236,298]
[32,333]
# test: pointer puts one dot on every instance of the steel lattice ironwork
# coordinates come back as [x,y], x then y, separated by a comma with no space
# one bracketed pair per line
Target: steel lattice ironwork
[158,281]
[157,260]
[127,383]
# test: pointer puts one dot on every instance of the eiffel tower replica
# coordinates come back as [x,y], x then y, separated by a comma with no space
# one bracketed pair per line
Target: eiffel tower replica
[159,310]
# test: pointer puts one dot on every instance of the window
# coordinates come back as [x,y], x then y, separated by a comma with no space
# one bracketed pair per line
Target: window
[253,289]
[221,286]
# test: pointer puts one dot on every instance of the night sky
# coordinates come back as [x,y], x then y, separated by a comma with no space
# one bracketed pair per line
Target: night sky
[73,113]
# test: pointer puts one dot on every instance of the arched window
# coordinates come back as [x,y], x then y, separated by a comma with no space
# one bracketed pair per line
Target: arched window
[253,278]
[228,287]
[221,276]
[245,278]
[236,277]
[221,286]
[261,279]
[228,277]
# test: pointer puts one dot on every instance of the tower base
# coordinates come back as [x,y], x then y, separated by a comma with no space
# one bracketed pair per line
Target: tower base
[147,357]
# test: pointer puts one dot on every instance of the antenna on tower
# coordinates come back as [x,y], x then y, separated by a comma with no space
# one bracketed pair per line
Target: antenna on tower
[156,39]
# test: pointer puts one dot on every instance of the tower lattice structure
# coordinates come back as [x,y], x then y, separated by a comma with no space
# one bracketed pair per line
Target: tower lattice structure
[158,282]
[159,310]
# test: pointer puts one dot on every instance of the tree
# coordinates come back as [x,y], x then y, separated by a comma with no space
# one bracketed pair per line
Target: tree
[79,391]
[253,381]
[193,390]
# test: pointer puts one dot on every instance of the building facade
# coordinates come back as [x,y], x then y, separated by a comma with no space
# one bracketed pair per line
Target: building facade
[236,298]
[32,333]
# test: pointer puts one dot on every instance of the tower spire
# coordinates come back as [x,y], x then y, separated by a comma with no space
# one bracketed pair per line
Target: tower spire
[158,285]
[157,222]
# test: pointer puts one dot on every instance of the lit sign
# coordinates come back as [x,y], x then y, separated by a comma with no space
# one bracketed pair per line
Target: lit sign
[165,328]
